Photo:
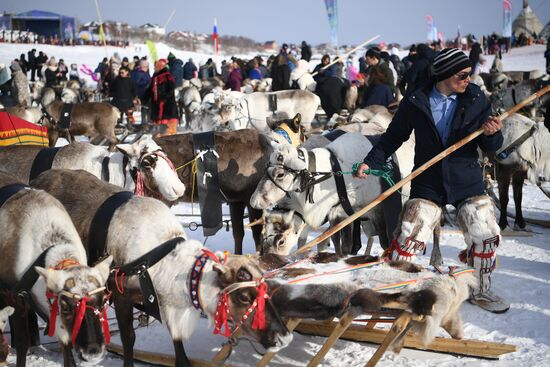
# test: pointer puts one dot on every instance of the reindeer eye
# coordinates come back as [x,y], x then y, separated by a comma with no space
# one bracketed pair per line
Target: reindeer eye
[280,175]
[244,298]
[69,283]
[280,158]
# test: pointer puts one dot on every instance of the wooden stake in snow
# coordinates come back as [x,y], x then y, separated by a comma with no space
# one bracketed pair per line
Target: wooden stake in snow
[329,232]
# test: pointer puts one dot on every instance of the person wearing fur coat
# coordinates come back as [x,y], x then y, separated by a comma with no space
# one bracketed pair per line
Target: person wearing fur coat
[19,85]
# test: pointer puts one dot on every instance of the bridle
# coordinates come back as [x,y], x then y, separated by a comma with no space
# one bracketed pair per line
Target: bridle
[81,306]
[307,178]
[137,173]
[223,314]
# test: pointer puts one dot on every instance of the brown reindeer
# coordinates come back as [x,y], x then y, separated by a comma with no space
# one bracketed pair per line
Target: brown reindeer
[95,120]
[243,155]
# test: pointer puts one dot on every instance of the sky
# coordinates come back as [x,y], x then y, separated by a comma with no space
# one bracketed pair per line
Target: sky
[401,21]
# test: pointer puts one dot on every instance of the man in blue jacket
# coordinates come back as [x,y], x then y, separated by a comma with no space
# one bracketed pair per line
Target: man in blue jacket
[445,111]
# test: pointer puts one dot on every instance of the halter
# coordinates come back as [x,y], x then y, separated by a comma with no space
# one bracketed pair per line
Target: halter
[308,179]
[81,305]
[223,315]
[137,174]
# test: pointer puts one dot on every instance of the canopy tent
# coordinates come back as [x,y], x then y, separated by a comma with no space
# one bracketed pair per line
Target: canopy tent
[45,23]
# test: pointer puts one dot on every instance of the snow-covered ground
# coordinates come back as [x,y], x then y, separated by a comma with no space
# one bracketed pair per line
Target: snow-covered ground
[522,277]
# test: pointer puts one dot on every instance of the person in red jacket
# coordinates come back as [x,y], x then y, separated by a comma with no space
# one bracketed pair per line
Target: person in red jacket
[163,100]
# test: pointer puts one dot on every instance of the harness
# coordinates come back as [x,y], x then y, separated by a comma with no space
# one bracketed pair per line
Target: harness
[43,161]
[99,228]
[65,119]
[515,144]
[140,268]
[209,192]
[8,191]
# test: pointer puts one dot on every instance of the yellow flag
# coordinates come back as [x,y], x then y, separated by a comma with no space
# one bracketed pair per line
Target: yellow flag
[152,50]
[101,33]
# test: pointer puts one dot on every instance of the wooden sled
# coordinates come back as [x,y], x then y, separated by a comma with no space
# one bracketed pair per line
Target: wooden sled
[400,325]
[160,359]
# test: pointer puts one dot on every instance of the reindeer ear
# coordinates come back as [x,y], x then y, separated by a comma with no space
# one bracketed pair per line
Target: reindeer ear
[54,278]
[275,145]
[224,273]
[104,268]
[126,149]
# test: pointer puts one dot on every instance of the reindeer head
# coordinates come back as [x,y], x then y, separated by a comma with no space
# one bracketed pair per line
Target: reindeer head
[279,234]
[241,278]
[153,169]
[282,176]
[77,293]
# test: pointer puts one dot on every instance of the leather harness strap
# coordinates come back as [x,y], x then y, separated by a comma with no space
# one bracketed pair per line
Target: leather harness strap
[43,161]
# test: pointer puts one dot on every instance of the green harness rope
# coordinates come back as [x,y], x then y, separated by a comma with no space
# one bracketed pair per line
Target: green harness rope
[385,173]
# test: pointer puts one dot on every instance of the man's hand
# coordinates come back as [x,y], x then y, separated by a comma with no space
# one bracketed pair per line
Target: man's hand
[492,125]
[362,167]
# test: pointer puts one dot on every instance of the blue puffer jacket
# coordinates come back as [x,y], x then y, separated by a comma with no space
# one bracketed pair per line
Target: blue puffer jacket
[142,80]
[459,175]
[176,68]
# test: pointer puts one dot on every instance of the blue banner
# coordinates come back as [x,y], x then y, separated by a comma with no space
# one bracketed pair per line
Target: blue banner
[332,13]
[507,18]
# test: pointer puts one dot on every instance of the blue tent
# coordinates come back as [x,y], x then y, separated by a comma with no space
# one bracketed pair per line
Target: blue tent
[45,23]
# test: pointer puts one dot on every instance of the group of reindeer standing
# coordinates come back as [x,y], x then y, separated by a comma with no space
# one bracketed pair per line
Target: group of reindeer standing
[88,238]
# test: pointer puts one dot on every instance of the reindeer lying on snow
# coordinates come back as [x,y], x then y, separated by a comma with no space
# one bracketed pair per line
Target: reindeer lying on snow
[140,167]
[307,291]
[44,241]
[144,228]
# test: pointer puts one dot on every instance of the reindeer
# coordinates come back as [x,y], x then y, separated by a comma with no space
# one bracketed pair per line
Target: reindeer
[142,225]
[141,167]
[94,120]
[45,242]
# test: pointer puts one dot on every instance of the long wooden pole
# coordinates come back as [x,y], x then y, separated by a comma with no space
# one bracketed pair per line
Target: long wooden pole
[329,232]
[102,30]
[342,57]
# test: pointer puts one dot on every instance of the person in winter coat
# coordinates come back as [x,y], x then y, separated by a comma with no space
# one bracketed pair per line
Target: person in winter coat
[62,71]
[377,92]
[19,86]
[41,59]
[448,109]
[189,70]
[306,51]
[419,73]
[123,91]
[73,72]
[50,74]
[547,57]
[255,72]
[475,54]
[235,79]
[31,59]
[323,74]
[280,70]
[163,100]
[176,68]
[24,64]
[373,58]
[142,80]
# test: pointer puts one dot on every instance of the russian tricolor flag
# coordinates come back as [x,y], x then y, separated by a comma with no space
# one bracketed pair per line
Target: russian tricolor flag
[215,36]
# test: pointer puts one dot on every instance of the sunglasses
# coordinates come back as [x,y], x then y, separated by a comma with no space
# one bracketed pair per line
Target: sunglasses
[463,76]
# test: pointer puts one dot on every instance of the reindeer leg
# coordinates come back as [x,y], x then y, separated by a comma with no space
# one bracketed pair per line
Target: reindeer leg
[124,316]
[236,210]
[181,357]
[503,179]
[517,188]
[256,230]
[436,258]
[20,333]
[68,359]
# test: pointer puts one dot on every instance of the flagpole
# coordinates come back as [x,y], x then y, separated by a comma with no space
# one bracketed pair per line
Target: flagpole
[169,19]
[101,30]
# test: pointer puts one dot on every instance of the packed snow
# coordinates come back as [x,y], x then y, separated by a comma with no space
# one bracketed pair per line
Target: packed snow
[522,277]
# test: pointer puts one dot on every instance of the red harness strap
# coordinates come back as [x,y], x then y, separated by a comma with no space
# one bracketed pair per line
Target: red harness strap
[397,247]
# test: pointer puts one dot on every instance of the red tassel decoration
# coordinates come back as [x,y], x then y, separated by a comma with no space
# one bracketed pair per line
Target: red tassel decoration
[221,316]
[259,318]
[54,311]
[79,317]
